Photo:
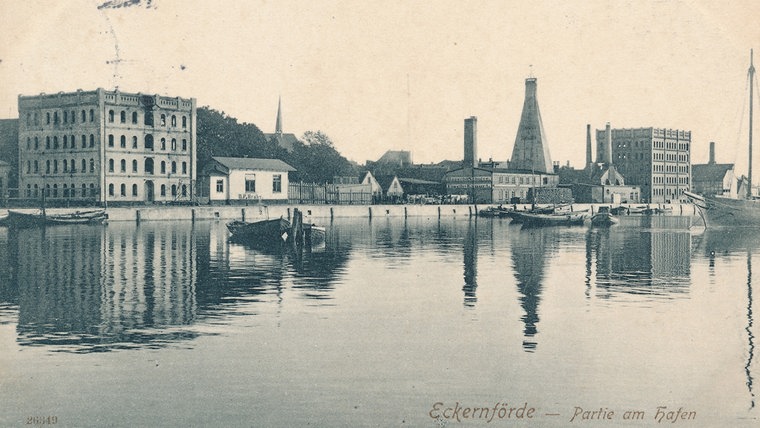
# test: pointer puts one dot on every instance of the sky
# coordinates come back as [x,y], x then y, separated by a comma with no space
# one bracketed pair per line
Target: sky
[403,75]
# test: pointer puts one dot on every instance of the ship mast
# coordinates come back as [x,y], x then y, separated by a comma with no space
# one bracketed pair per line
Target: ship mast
[751,81]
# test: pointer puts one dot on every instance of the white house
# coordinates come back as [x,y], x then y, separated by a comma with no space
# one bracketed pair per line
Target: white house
[377,190]
[241,179]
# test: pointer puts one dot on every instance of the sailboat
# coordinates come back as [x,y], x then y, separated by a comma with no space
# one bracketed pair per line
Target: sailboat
[724,211]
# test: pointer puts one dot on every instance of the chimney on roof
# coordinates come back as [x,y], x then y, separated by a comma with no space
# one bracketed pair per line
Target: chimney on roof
[470,141]
[712,152]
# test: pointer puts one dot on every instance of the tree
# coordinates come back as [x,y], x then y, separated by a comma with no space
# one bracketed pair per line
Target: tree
[316,159]
[221,135]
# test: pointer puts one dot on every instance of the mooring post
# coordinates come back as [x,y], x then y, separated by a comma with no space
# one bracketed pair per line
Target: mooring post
[242,213]
[137,216]
[370,213]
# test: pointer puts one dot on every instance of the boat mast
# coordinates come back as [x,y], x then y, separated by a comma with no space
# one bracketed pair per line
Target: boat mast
[751,81]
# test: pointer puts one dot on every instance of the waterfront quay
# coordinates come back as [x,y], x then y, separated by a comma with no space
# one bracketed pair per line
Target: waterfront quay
[262,212]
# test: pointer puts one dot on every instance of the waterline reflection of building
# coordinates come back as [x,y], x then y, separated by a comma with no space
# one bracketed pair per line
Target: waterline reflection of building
[88,289]
[530,250]
[92,289]
[645,256]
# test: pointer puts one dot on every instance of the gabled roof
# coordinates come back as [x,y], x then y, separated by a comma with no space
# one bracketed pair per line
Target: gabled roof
[710,171]
[385,180]
[254,164]
[286,141]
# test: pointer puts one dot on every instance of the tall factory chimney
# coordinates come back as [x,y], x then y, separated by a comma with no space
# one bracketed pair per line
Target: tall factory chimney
[531,150]
[588,147]
[470,142]
[712,152]
[608,145]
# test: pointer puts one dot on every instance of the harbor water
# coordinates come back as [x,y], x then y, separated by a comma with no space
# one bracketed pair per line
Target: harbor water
[418,321]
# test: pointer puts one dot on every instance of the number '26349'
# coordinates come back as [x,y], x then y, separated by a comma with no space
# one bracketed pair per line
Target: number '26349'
[42,420]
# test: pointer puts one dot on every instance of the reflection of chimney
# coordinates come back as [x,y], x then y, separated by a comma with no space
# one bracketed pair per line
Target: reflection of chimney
[712,152]
[608,146]
[588,146]
[470,141]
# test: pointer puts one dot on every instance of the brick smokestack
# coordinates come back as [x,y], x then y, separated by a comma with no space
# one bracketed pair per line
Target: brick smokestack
[712,152]
[470,142]
[608,145]
[588,146]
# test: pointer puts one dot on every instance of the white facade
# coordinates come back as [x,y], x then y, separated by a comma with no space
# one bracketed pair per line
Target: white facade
[370,179]
[239,179]
[107,147]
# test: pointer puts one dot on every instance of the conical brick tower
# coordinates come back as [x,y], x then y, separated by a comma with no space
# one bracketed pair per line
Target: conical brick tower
[531,151]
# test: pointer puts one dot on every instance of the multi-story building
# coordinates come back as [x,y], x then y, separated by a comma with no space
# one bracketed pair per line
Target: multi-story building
[656,160]
[107,147]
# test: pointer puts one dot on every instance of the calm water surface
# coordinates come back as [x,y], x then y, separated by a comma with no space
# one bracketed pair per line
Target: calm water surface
[174,325]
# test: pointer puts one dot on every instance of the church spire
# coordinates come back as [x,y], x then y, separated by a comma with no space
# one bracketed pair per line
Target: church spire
[278,125]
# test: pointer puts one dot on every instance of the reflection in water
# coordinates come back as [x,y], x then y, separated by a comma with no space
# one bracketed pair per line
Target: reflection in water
[651,261]
[729,243]
[89,289]
[95,288]
[470,249]
[530,249]
[750,336]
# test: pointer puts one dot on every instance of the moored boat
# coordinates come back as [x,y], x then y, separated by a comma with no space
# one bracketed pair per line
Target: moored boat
[744,210]
[495,212]
[724,211]
[41,218]
[568,219]
[604,218]
[269,231]
[276,232]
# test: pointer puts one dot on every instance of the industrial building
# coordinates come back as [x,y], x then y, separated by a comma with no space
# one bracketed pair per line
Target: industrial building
[107,147]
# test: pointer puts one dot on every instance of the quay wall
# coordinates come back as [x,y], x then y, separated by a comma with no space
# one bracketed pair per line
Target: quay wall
[261,212]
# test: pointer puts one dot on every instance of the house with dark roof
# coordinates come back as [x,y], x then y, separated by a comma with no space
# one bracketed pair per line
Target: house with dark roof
[714,178]
[227,179]
[393,192]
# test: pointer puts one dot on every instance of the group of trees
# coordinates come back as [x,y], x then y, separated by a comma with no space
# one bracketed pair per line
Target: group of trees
[313,156]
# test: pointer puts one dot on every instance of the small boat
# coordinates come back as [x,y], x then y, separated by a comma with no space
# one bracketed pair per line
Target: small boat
[657,210]
[37,219]
[565,209]
[569,219]
[495,212]
[604,218]
[270,231]
[277,231]
[314,235]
